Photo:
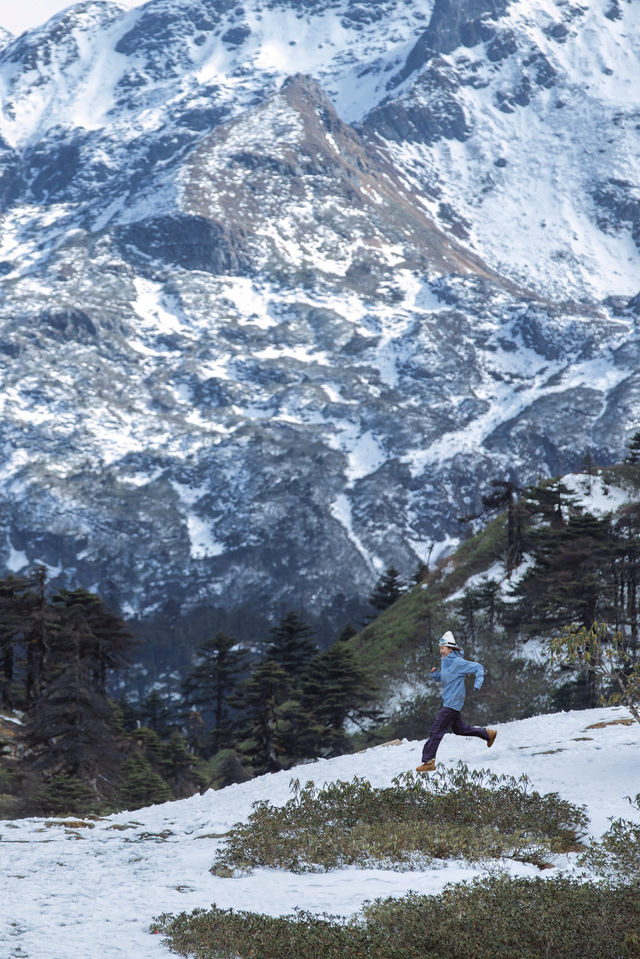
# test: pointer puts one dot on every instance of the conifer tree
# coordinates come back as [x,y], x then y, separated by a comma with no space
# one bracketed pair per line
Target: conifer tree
[178,768]
[552,503]
[388,588]
[488,596]
[69,728]
[64,795]
[227,769]
[107,642]
[633,456]
[13,627]
[41,624]
[346,633]
[422,570]
[214,681]
[626,571]
[504,497]
[157,712]
[588,465]
[195,732]
[265,693]
[141,785]
[128,713]
[337,689]
[570,579]
[467,607]
[148,742]
[291,645]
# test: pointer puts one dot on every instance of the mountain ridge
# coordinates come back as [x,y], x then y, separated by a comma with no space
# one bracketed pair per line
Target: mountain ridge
[261,340]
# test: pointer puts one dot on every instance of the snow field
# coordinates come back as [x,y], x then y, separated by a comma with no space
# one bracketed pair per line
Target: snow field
[78,892]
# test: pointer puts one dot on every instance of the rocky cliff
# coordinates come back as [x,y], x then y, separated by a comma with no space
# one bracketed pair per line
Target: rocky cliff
[284,285]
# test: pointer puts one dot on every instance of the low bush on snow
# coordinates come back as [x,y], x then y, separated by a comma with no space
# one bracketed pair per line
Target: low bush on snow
[457,813]
[494,918]
[618,853]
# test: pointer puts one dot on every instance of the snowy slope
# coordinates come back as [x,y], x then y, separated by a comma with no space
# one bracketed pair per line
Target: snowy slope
[545,157]
[69,894]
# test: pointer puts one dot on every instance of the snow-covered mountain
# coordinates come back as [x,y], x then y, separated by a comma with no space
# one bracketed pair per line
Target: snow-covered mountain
[285,284]
[79,888]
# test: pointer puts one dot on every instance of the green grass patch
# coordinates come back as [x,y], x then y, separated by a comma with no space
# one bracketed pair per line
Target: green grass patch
[456,813]
[494,918]
[400,631]
[477,553]
[416,621]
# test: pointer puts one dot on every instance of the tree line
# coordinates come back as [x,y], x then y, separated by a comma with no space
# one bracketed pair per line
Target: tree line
[287,702]
[247,711]
[580,567]
[71,750]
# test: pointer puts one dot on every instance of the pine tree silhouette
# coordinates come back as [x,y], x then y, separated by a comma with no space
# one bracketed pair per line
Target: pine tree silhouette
[387,589]
[213,682]
[291,644]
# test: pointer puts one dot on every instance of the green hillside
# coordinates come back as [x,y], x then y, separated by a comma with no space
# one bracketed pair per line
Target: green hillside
[414,623]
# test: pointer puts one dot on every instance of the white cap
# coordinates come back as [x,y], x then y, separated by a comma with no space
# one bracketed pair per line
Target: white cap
[448,641]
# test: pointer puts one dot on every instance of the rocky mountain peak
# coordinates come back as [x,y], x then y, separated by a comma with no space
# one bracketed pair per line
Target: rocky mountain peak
[271,324]
[293,162]
[453,24]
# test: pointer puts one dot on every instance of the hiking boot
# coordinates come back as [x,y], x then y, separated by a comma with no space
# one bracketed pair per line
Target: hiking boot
[427,767]
[492,736]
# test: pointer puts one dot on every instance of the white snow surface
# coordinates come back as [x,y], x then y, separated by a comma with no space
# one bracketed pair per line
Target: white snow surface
[18,17]
[71,893]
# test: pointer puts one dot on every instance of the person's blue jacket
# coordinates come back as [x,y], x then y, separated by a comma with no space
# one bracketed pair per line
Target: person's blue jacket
[451,674]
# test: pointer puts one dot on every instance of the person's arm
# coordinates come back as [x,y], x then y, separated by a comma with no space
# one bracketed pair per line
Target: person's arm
[435,674]
[476,668]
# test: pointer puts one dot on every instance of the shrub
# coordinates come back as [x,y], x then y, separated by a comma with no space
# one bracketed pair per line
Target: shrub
[493,918]
[458,813]
[618,852]
[605,656]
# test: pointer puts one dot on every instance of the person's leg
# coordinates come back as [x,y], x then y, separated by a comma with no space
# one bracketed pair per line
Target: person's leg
[460,728]
[441,724]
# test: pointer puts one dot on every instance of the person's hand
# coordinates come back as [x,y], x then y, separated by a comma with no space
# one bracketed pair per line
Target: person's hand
[434,669]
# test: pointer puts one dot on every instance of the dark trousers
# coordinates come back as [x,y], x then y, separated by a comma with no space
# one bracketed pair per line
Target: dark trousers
[447,719]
